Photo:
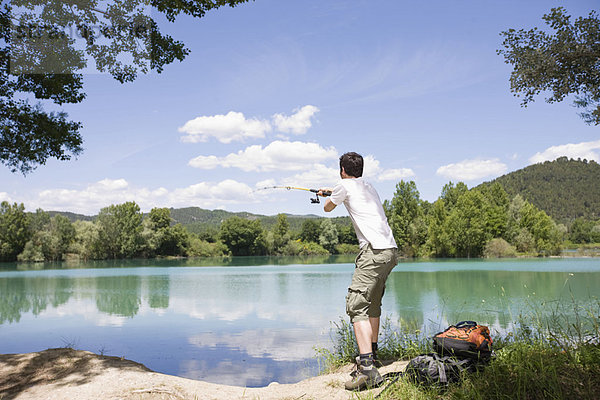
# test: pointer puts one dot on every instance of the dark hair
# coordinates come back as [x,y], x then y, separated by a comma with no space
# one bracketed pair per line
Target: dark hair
[352,163]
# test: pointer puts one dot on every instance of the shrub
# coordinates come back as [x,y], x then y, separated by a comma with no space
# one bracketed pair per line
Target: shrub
[498,248]
[345,248]
[202,248]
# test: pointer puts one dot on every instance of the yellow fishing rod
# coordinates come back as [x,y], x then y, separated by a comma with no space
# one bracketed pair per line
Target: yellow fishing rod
[313,200]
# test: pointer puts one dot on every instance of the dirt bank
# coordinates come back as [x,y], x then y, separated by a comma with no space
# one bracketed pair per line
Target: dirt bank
[74,374]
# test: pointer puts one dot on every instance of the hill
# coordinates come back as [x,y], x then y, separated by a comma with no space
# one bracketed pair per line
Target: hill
[565,189]
[198,220]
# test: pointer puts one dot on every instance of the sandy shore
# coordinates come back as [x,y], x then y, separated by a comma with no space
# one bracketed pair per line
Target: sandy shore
[74,374]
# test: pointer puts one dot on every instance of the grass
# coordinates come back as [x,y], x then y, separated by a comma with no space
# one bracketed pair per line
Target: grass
[553,352]
[403,342]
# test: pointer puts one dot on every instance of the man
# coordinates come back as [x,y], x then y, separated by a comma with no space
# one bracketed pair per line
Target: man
[377,257]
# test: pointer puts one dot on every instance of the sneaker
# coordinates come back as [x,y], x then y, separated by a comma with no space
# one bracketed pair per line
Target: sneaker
[364,377]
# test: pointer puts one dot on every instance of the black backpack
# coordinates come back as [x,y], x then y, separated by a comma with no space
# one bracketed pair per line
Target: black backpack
[433,369]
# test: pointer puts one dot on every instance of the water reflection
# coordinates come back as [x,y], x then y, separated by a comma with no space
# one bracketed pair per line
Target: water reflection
[252,325]
[183,262]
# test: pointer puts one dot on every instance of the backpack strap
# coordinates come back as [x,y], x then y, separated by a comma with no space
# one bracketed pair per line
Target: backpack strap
[440,367]
[464,324]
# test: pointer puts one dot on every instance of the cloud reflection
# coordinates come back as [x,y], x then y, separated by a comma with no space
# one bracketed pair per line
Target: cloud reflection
[276,344]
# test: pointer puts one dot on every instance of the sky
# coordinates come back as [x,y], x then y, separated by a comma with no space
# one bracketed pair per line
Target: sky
[273,92]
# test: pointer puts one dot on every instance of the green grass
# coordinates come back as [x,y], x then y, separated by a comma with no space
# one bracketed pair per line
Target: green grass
[553,352]
[402,342]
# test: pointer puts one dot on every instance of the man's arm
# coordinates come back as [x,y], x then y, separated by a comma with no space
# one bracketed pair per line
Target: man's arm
[329,205]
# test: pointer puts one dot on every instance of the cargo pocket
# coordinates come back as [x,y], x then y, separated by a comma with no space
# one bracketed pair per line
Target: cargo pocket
[383,256]
[357,303]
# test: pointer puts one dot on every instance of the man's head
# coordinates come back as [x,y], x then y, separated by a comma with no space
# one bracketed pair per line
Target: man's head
[352,164]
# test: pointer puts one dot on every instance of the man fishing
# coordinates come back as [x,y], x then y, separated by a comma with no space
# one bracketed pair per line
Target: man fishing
[377,257]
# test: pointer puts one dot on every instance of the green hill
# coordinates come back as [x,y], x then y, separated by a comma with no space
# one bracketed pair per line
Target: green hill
[72,216]
[565,189]
[199,220]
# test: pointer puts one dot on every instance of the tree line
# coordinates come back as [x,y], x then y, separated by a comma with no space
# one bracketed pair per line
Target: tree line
[482,221]
[462,222]
[123,231]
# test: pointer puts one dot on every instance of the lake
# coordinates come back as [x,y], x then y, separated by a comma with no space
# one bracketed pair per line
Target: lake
[252,321]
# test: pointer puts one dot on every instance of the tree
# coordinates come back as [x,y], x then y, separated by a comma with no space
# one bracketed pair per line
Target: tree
[543,229]
[39,60]
[120,230]
[162,238]
[159,218]
[281,235]
[437,238]
[243,237]
[405,216]
[581,231]
[562,63]
[51,241]
[346,234]
[310,231]
[328,236]
[466,225]
[14,230]
[497,212]
[87,240]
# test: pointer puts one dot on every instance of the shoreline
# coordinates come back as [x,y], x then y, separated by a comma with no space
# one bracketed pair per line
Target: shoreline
[65,373]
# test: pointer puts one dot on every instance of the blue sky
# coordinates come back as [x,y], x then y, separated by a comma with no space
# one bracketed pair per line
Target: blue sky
[274,91]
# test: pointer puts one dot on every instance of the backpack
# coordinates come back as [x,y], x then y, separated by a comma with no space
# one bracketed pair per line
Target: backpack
[433,369]
[465,340]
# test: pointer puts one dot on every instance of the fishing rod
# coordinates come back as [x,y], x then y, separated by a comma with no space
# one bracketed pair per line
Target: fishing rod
[313,200]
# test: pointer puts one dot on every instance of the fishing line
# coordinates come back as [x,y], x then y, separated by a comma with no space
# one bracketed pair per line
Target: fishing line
[313,200]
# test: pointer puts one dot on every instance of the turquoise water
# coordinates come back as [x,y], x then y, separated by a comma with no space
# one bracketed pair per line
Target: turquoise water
[252,321]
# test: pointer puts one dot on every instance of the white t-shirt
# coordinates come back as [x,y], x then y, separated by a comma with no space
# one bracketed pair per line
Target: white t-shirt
[366,212]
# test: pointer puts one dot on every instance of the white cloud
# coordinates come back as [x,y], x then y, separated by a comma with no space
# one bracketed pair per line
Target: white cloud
[298,123]
[472,169]
[317,177]
[372,170]
[234,126]
[583,150]
[95,196]
[321,176]
[205,162]
[4,197]
[276,156]
[395,174]
[225,128]
[228,191]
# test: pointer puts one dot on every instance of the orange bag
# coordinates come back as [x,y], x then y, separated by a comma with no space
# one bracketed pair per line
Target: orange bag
[467,339]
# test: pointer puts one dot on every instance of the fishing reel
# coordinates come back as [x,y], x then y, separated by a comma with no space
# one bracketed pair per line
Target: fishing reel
[316,200]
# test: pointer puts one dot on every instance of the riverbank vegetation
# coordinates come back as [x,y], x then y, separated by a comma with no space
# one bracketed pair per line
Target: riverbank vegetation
[484,221]
[551,353]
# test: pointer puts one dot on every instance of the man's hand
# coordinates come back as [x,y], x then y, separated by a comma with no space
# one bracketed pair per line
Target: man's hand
[329,206]
[324,192]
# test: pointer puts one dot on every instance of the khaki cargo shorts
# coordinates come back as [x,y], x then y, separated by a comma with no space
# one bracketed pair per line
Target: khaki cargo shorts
[368,282]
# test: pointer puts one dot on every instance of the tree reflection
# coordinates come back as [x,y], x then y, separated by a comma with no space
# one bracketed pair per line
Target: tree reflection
[23,295]
[158,291]
[118,295]
[491,297]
